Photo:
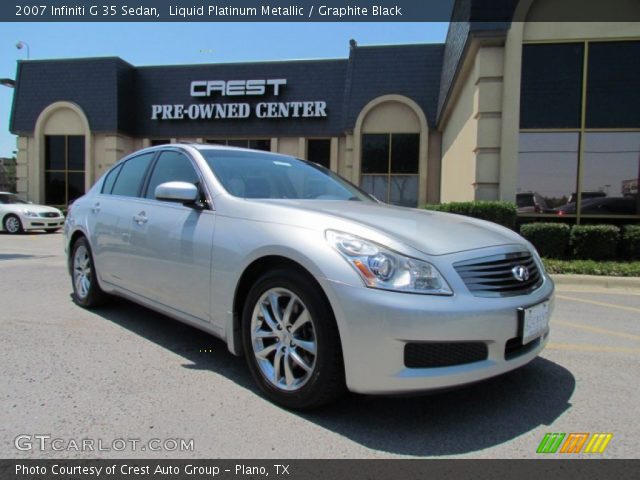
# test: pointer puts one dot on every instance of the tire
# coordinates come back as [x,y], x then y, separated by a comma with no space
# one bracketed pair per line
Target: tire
[300,363]
[12,224]
[86,290]
[51,230]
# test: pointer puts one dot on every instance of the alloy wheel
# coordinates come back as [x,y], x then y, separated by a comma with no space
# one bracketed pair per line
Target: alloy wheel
[283,337]
[12,224]
[82,271]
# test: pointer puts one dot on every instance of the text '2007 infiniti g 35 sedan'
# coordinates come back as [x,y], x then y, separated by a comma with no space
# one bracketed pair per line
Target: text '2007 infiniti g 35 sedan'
[320,286]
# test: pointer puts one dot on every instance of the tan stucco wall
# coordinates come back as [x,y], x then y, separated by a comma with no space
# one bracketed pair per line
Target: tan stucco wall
[291,146]
[471,132]
[391,117]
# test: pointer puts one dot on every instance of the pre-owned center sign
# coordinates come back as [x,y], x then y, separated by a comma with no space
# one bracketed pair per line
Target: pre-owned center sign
[233,110]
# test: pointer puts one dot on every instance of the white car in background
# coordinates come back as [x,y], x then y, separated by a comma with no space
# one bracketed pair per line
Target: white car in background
[18,215]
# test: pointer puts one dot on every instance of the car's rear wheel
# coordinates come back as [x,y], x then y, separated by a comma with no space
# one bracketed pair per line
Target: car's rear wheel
[12,224]
[291,341]
[86,291]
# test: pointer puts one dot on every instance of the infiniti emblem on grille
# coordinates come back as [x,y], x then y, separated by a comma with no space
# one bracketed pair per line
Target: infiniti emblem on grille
[520,273]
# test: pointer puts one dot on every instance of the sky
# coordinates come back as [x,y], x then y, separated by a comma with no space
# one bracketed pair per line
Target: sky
[189,43]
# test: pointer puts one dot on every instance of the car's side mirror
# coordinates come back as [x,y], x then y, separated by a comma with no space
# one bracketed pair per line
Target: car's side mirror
[182,192]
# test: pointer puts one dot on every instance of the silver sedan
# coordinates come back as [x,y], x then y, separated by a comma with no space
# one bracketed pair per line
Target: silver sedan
[320,286]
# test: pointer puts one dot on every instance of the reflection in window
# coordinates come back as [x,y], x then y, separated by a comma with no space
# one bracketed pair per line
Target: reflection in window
[610,171]
[64,170]
[547,171]
[390,167]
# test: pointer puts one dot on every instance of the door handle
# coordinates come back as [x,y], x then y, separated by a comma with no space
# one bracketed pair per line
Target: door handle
[140,218]
[95,208]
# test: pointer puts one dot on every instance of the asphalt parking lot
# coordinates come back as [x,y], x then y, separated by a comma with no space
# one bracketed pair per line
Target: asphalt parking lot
[125,372]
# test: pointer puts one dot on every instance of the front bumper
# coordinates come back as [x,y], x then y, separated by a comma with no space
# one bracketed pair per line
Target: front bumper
[41,223]
[375,326]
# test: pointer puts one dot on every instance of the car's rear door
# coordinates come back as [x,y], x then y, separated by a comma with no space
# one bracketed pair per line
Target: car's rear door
[110,217]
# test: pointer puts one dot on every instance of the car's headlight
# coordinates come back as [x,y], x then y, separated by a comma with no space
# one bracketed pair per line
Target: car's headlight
[382,268]
[29,213]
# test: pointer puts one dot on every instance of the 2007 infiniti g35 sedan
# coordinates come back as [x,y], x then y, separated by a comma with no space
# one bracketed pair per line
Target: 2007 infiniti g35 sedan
[320,286]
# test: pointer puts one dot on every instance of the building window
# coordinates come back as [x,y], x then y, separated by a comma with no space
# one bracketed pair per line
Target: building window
[64,168]
[390,167]
[579,152]
[159,141]
[256,143]
[319,151]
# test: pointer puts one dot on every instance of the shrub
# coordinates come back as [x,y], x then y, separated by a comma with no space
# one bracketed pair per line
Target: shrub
[630,242]
[503,213]
[591,267]
[550,239]
[596,242]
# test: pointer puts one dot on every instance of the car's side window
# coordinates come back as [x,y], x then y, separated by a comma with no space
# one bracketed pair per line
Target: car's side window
[171,166]
[107,186]
[132,173]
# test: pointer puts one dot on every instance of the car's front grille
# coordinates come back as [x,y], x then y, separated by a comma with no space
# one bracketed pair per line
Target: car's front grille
[496,276]
[49,215]
[443,354]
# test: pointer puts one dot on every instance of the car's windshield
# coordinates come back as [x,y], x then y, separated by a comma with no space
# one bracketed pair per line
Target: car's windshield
[263,175]
[10,199]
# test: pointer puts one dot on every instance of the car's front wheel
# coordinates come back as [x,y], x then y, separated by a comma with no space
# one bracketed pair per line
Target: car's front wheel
[12,224]
[86,291]
[291,341]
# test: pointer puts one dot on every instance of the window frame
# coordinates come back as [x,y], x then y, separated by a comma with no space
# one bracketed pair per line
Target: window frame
[66,170]
[582,130]
[389,174]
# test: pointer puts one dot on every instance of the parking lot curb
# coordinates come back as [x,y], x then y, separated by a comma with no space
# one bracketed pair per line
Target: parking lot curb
[600,281]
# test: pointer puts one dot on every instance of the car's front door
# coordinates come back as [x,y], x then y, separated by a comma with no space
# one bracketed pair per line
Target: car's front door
[170,243]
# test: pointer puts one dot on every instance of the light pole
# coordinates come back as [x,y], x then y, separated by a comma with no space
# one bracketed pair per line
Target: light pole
[20,45]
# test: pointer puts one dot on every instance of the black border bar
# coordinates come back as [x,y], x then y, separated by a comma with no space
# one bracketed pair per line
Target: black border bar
[320,469]
[317,10]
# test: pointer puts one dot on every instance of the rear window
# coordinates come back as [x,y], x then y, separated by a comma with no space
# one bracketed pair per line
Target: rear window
[132,173]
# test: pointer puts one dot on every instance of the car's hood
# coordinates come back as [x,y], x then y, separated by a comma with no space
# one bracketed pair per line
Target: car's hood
[430,232]
[31,207]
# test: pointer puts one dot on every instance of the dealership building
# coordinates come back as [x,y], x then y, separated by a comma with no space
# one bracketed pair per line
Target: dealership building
[545,113]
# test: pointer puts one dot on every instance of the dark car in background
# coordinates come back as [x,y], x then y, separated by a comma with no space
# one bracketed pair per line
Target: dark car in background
[602,206]
[532,202]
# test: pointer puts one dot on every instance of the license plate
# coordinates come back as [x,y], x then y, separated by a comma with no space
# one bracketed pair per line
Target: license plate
[535,321]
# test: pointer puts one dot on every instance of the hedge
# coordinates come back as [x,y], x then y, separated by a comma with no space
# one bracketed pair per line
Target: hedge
[630,242]
[503,213]
[595,242]
[550,239]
